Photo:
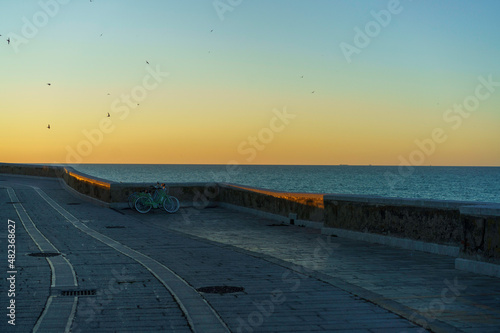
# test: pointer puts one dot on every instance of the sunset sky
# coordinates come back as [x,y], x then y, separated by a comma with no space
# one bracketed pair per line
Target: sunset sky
[250,82]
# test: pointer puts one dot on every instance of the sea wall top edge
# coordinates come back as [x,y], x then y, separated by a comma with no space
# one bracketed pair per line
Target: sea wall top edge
[261,189]
[481,210]
[72,171]
[431,203]
[145,184]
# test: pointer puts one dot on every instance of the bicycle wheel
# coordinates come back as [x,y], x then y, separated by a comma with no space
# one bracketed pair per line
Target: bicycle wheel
[171,204]
[143,205]
[132,199]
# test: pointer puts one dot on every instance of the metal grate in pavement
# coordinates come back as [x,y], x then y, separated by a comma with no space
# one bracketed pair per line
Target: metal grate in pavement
[44,254]
[89,292]
[220,289]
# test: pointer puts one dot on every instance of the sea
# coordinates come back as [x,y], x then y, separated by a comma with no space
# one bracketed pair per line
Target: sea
[479,184]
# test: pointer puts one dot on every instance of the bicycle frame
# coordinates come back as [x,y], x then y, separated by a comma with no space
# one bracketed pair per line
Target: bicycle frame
[156,199]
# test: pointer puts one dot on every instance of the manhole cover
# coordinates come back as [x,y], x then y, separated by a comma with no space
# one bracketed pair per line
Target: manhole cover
[277,225]
[90,292]
[115,227]
[220,289]
[44,254]
[73,203]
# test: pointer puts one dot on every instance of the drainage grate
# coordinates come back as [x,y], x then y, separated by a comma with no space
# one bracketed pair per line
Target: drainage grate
[115,227]
[44,254]
[90,292]
[220,289]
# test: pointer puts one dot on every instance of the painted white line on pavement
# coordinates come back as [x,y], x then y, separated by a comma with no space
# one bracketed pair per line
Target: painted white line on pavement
[198,309]
[62,276]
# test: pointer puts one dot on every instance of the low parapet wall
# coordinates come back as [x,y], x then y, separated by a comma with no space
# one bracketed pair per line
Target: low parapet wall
[30,170]
[290,205]
[113,193]
[481,233]
[93,187]
[424,220]
[472,228]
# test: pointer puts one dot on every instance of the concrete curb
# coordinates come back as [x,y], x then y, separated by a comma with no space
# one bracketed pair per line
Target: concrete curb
[280,218]
[477,267]
[452,251]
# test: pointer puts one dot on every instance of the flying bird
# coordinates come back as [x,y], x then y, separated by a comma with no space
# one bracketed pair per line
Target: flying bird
[212,30]
[48,84]
[312,92]
[147,62]
[8,41]
[48,126]
[109,115]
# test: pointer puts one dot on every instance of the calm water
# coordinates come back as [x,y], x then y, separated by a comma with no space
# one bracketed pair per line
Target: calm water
[449,183]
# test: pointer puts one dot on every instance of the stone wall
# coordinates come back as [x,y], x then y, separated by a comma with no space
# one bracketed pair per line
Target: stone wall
[431,221]
[481,233]
[93,187]
[30,170]
[306,206]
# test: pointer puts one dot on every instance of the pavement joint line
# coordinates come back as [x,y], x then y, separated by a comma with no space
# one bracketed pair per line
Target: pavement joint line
[39,239]
[46,324]
[72,315]
[44,313]
[18,206]
[53,276]
[196,318]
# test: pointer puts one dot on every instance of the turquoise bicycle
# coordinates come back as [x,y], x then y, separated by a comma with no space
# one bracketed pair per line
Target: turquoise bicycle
[143,202]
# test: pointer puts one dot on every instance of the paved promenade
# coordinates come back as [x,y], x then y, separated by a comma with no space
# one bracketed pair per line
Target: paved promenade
[120,271]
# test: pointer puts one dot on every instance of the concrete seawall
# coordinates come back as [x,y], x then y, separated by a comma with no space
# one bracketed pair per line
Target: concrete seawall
[30,170]
[294,208]
[469,231]
[432,221]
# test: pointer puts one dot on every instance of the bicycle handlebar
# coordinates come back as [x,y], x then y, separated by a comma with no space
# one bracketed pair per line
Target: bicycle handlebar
[158,186]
